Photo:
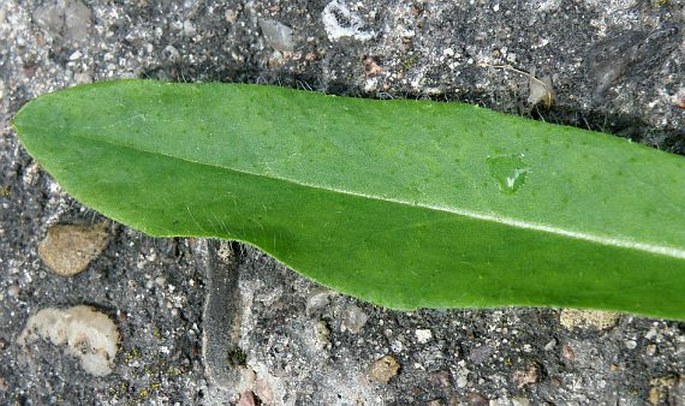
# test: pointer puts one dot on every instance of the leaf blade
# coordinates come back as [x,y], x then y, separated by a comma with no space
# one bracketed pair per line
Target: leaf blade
[298,185]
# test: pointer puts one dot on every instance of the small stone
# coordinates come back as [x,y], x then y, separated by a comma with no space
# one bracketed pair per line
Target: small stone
[89,335]
[171,53]
[371,66]
[68,249]
[247,398]
[654,396]
[189,28]
[541,91]
[322,334]
[567,352]
[442,379]
[77,20]
[423,335]
[279,36]
[317,301]
[248,377]
[397,346]
[520,401]
[384,369]
[527,376]
[478,355]
[340,22]
[660,388]
[70,20]
[476,399]
[651,334]
[631,344]
[264,392]
[599,320]
[353,319]
[550,345]
[462,375]
[453,400]
[231,16]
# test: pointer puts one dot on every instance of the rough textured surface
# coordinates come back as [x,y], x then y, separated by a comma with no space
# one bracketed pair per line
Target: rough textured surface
[614,65]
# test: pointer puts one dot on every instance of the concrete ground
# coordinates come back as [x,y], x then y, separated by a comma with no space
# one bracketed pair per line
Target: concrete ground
[189,321]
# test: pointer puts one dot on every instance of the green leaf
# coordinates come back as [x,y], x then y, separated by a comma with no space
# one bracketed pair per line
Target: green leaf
[401,203]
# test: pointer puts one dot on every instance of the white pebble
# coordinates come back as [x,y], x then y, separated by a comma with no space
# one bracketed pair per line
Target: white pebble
[423,335]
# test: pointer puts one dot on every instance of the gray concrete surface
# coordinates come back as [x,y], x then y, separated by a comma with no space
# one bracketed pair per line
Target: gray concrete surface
[210,322]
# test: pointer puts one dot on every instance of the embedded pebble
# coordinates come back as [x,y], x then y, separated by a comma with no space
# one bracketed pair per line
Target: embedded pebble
[317,301]
[550,344]
[462,378]
[279,36]
[323,335]
[339,22]
[89,335]
[541,91]
[247,398]
[423,335]
[384,369]
[567,352]
[520,401]
[600,320]
[660,387]
[524,377]
[476,399]
[442,379]
[68,249]
[353,319]
[69,19]
[264,391]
